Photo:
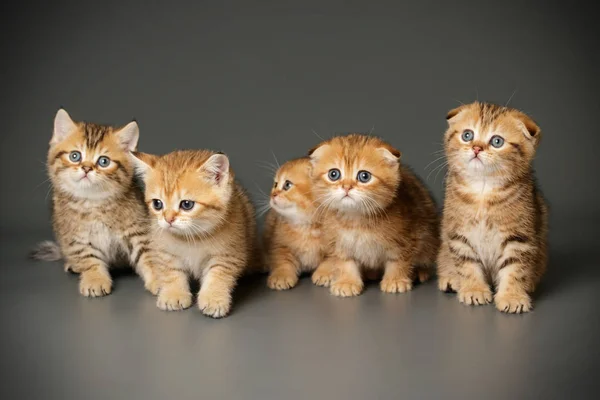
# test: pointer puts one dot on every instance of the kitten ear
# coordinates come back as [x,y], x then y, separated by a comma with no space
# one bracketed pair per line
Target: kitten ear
[390,154]
[143,162]
[529,128]
[128,136]
[217,168]
[454,112]
[63,126]
[316,153]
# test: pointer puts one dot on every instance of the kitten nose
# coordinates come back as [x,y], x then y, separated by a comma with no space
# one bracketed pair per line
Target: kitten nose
[477,149]
[170,220]
[86,168]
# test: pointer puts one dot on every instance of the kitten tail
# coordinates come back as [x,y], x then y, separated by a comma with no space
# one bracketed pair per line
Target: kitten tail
[46,251]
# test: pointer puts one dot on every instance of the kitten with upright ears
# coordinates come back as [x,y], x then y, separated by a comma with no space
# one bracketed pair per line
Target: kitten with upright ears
[292,237]
[494,225]
[203,222]
[376,215]
[99,217]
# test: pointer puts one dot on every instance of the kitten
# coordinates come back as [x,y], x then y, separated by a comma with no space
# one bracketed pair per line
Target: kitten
[203,221]
[292,232]
[376,215]
[99,217]
[495,219]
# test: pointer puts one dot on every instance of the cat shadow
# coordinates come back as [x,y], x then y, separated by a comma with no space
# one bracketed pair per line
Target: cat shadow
[248,287]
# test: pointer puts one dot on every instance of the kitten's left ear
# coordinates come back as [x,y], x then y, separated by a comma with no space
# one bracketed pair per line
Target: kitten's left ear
[529,128]
[143,162]
[128,136]
[390,154]
[217,168]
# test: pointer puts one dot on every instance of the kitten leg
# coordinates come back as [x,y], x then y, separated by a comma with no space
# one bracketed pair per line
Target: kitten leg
[446,270]
[218,281]
[473,290]
[146,262]
[348,282]
[515,279]
[325,272]
[174,291]
[94,278]
[285,270]
[397,277]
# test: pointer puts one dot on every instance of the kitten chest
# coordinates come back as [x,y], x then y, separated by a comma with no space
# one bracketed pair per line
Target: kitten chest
[487,240]
[361,246]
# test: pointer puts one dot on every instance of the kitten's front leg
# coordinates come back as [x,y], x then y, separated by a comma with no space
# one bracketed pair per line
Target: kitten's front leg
[146,261]
[325,273]
[284,270]
[515,280]
[397,277]
[94,278]
[218,281]
[348,282]
[174,294]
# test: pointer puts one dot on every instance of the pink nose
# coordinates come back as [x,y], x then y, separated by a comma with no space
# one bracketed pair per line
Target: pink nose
[477,149]
[86,169]
[170,220]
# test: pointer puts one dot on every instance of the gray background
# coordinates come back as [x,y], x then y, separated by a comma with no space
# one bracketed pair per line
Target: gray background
[252,78]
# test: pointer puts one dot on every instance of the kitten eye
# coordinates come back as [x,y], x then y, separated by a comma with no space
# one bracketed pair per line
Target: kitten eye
[497,141]
[157,204]
[287,185]
[75,156]
[334,174]
[186,205]
[103,161]
[468,135]
[363,176]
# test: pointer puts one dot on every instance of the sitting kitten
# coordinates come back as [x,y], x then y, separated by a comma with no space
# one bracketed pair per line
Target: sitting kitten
[292,231]
[204,221]
[98,212]
[495,219]
[377,215]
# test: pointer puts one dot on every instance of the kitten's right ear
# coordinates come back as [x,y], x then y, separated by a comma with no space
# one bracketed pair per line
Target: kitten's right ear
[317,152]
[454,112]
[143,162]
[63,126]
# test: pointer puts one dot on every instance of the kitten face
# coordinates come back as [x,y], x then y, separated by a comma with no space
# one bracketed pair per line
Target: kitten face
[187,192]
[291,194]
[90,161]
[355,174]
[485,140]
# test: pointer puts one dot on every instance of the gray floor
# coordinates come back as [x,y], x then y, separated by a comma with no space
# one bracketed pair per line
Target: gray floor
[298,344]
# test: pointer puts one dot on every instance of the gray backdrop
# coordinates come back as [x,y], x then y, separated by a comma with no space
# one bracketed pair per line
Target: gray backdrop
[255,78]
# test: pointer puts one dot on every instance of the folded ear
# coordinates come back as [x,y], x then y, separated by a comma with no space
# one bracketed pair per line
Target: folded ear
[143,162]
[390,154]
[316,153]
[454,112]
[528,126]
[217,168]
[63,126]
[128,136]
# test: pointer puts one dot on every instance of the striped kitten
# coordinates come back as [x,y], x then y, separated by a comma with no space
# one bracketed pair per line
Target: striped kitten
[99,217]
[204,222]
[292,232]
[495,219]
[377,215]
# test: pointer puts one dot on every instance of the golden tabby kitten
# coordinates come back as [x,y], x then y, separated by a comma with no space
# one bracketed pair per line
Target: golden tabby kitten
[292,231]
[204,221]
[376,215]
[99,217]
[495,219]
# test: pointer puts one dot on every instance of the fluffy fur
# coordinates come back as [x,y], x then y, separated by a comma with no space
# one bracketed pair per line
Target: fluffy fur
[292,231]
[211,237]
[389,222]
[99,218]
[495,219]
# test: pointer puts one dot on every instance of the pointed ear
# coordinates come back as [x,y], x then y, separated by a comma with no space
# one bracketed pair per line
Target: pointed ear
[143,162]
[217,168]
[63,126]
[390,154]
[530,129]
[128,136]
[316,153]
[454,112]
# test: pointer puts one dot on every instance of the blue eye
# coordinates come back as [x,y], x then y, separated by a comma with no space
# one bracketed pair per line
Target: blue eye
[334,174]
[104,161]
[157,204]
[287,185]
[186,205]
[75,156]
[468,135]
[497,141]
[363,176]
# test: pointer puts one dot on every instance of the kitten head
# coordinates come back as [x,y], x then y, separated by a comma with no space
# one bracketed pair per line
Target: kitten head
[187,191]
[90,161]
[291,194]
[488,140]
[355,174]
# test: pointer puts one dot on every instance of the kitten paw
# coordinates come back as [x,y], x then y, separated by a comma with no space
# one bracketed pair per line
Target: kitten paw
[322,279]
[214,306]
[153,286]
[282,280]
[447,284]
[346,289]
[423,275]
[173,299]
[94,285]
[396,285]
[475,296]
[513,303]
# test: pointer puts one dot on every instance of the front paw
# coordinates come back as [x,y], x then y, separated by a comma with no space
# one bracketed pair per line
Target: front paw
[173,299]
[94,284]
[213,305]
[153,286]
[321,278]
[513,303]
[282,280]
[346,288]
[446,284]
[395,285]
[475,295]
